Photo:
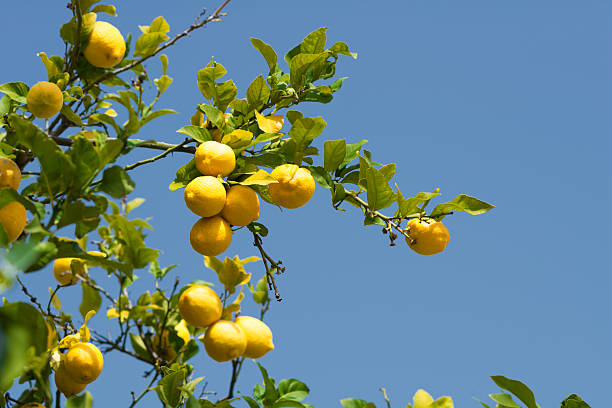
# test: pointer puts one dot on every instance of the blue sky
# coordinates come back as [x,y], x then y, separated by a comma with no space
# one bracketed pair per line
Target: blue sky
[506,101]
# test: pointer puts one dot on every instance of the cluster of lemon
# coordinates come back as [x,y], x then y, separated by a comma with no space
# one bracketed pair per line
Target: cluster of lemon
[79,366]
[13,216]
[224,340]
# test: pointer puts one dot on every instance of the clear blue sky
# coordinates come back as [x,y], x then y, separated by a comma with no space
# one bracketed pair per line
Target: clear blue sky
[507,101]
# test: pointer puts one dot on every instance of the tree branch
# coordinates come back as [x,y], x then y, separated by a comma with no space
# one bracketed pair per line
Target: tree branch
[258,242]
[166,152]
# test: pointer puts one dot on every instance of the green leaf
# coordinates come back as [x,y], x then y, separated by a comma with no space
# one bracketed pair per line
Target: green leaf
[103,8]
[352,151]
[91,300]
[334,152]
[314,43]
[52,69]
[21,256]
[380,195]
[196,132]
[71,116]
[261,177]
[258,93]
[184,175]
[225,93]
[116,182]
[270,392]
[250,401]
[517,388]
[158,272]
[321,176]
[305,130]
[258,228]
[267,52]
[17,91]
[152,37]
[356,403]
[168,388]
[163,83]
[290,385]
[388,170]
[80,401]
[139,347]
[342,48]
[504,399]
[574,401]
[306,68]
[464,203]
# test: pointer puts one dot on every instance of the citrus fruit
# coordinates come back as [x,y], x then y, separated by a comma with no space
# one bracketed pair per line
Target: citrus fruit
[258,334]
[106,45]
[427,236]
[205,196]
[422,399]
[200,306]
[66,385]
[210,236]
[241,206]
[224,341]
[215,159]
[45,99]
[295,186]
[63,270]
[13,219]
[161,344]
[10,175]
[83,363]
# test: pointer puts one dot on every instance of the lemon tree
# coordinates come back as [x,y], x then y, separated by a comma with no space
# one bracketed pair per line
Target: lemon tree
[242,149]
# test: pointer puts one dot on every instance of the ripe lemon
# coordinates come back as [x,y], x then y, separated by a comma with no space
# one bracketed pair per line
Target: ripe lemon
[210,236]
[295,186]
[422,399]
[106,45]
[45,99]
[241,206]
[66,385]
[10,175]
[83,363]
[215,159]
[161,344]
[63,270]
[200,306]
[224,341]
[205,196]
[13,219]
[258,334]
[427,236]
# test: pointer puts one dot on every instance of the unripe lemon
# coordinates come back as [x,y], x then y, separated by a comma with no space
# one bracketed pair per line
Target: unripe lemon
[211,236]
[205,196]
[83,363]
[258,334]
[106,45]
[45,99]
[13,219]
[10,175]
[224,341]
[200,306]
[241,206]
[422,399]
[295,186]
[66,385]
[215,159]
[161,344]
[427,236]
[62,270]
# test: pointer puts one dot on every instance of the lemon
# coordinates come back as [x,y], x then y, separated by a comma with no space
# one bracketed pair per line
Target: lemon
[66,385]
[45,99]
[224,341]
[258,334]
[422,399]
[215,159]
[210,236]
[83,363]
[295,186]
[200,306]
[205,196]
[161,344]
[63,270]
[106,45]
[241,206]
[10,175]
[427,236]
[13,219]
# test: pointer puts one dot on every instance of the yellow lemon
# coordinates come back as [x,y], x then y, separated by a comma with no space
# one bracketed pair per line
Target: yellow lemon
[13,219]
[10,175]
[224,341]
[215,159]
[63,270]
[295,186]
[66,385]
[205,196]
[258,334]
[210,236]
[161,344]
[427,236]
[422,399]
[45,99]
[200,306]
[106,45]
[83,363]
[241,206]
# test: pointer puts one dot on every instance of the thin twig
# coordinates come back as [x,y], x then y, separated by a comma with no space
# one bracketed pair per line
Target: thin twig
[257,241]
[160,156]
[62,141]
[144,392]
